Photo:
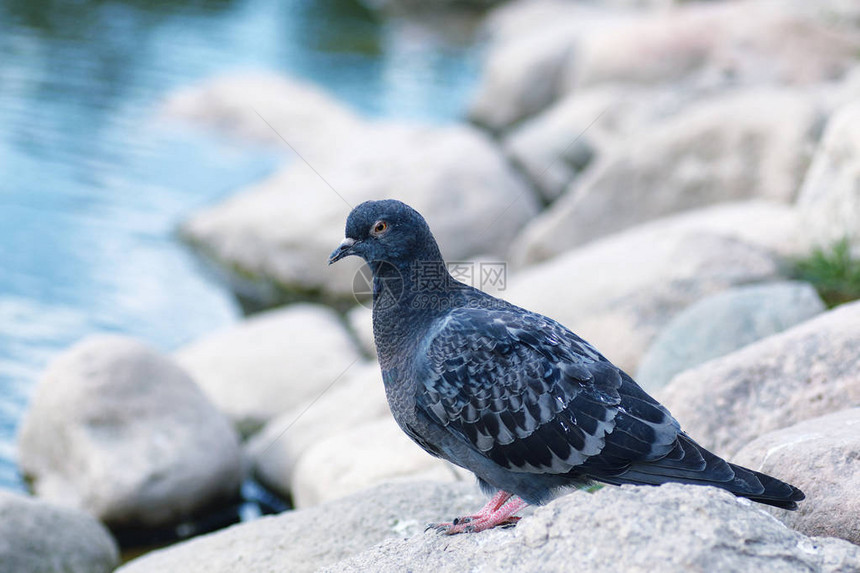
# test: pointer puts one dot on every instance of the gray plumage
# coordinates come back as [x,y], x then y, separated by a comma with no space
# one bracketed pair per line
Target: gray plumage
[514,396]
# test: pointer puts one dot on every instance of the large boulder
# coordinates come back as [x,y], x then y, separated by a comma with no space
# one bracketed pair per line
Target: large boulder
[363,456]
[355,400]
[554,147]
[283,229]
[122,432]
[531,44]
[307,539]
[830,197]
[746,145]
[37,537]
[558,48]
[724,322]
[269,108]
[808,371]
[719,44]
[772,226]
[270,363]
[820,456]
[674,528]
[619,292]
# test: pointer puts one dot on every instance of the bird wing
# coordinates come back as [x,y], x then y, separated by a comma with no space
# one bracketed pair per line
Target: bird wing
[533,397]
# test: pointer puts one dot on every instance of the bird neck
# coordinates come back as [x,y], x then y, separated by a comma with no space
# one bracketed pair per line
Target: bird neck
[407,298]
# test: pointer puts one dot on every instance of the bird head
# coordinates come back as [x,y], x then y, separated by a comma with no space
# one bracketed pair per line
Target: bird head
[386,231]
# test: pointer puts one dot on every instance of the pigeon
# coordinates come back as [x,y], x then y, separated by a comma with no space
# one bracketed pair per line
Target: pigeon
[529,407]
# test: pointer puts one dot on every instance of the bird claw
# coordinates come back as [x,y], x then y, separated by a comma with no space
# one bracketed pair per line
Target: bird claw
[465,525]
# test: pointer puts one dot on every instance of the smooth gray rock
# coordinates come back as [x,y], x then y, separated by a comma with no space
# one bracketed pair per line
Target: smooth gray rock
[820,456]
[37,537]
[619,292]
[724,322]
[830,197]
[366,455]
[556,48]
[122,432]
[808,371]
[266,107]
[531,45]
[750,144]
[271,363]
[772,226]
[556,147]
[283,229]
[672,528]
[721,44]
[357,398]
[307,539]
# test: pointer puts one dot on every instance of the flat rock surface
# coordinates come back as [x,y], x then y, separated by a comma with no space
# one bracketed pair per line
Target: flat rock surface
[37,537]
[305,540]
[808,371]
[821,456]
[636,529]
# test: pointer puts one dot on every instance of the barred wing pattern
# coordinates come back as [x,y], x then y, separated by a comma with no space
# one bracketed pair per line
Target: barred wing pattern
[533,397]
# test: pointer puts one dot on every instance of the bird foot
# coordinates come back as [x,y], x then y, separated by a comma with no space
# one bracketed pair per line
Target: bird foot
[471,524]
[499,512]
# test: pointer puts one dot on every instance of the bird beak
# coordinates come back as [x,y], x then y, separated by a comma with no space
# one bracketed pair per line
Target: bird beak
[343,250]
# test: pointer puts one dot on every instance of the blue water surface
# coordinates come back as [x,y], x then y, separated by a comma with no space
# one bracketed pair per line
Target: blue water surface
[93,181]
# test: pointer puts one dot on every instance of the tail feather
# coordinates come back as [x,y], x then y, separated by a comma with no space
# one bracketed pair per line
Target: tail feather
[690,463]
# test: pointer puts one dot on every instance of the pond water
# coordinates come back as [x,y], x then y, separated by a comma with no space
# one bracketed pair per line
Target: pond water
[93,182]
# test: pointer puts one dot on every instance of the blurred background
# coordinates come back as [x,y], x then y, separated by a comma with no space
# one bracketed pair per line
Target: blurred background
[675,180]
[95,181]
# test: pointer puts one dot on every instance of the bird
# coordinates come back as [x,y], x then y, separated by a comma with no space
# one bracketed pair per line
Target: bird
[515,397]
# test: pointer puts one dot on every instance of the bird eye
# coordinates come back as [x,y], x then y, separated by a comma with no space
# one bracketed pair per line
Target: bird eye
[379,227]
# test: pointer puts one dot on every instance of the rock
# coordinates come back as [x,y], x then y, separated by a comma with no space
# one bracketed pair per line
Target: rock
[724,322]
[810,370]
[683,528]
[365,455]
[270,108]
[555,147]
[357,398]
[619,292]
[284,229]
[718,44]
[520,78]
[530,46]
[407,6]
[270,363]
[37,537]
[122,432]
[830,197]
[541,51]
[820,457]
[751,144]
[307,539]
[772,226]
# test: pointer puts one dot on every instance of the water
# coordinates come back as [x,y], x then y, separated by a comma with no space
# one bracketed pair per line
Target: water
[93,182]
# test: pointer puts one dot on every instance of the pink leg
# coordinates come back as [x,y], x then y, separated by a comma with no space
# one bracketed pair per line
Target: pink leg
[499,510]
